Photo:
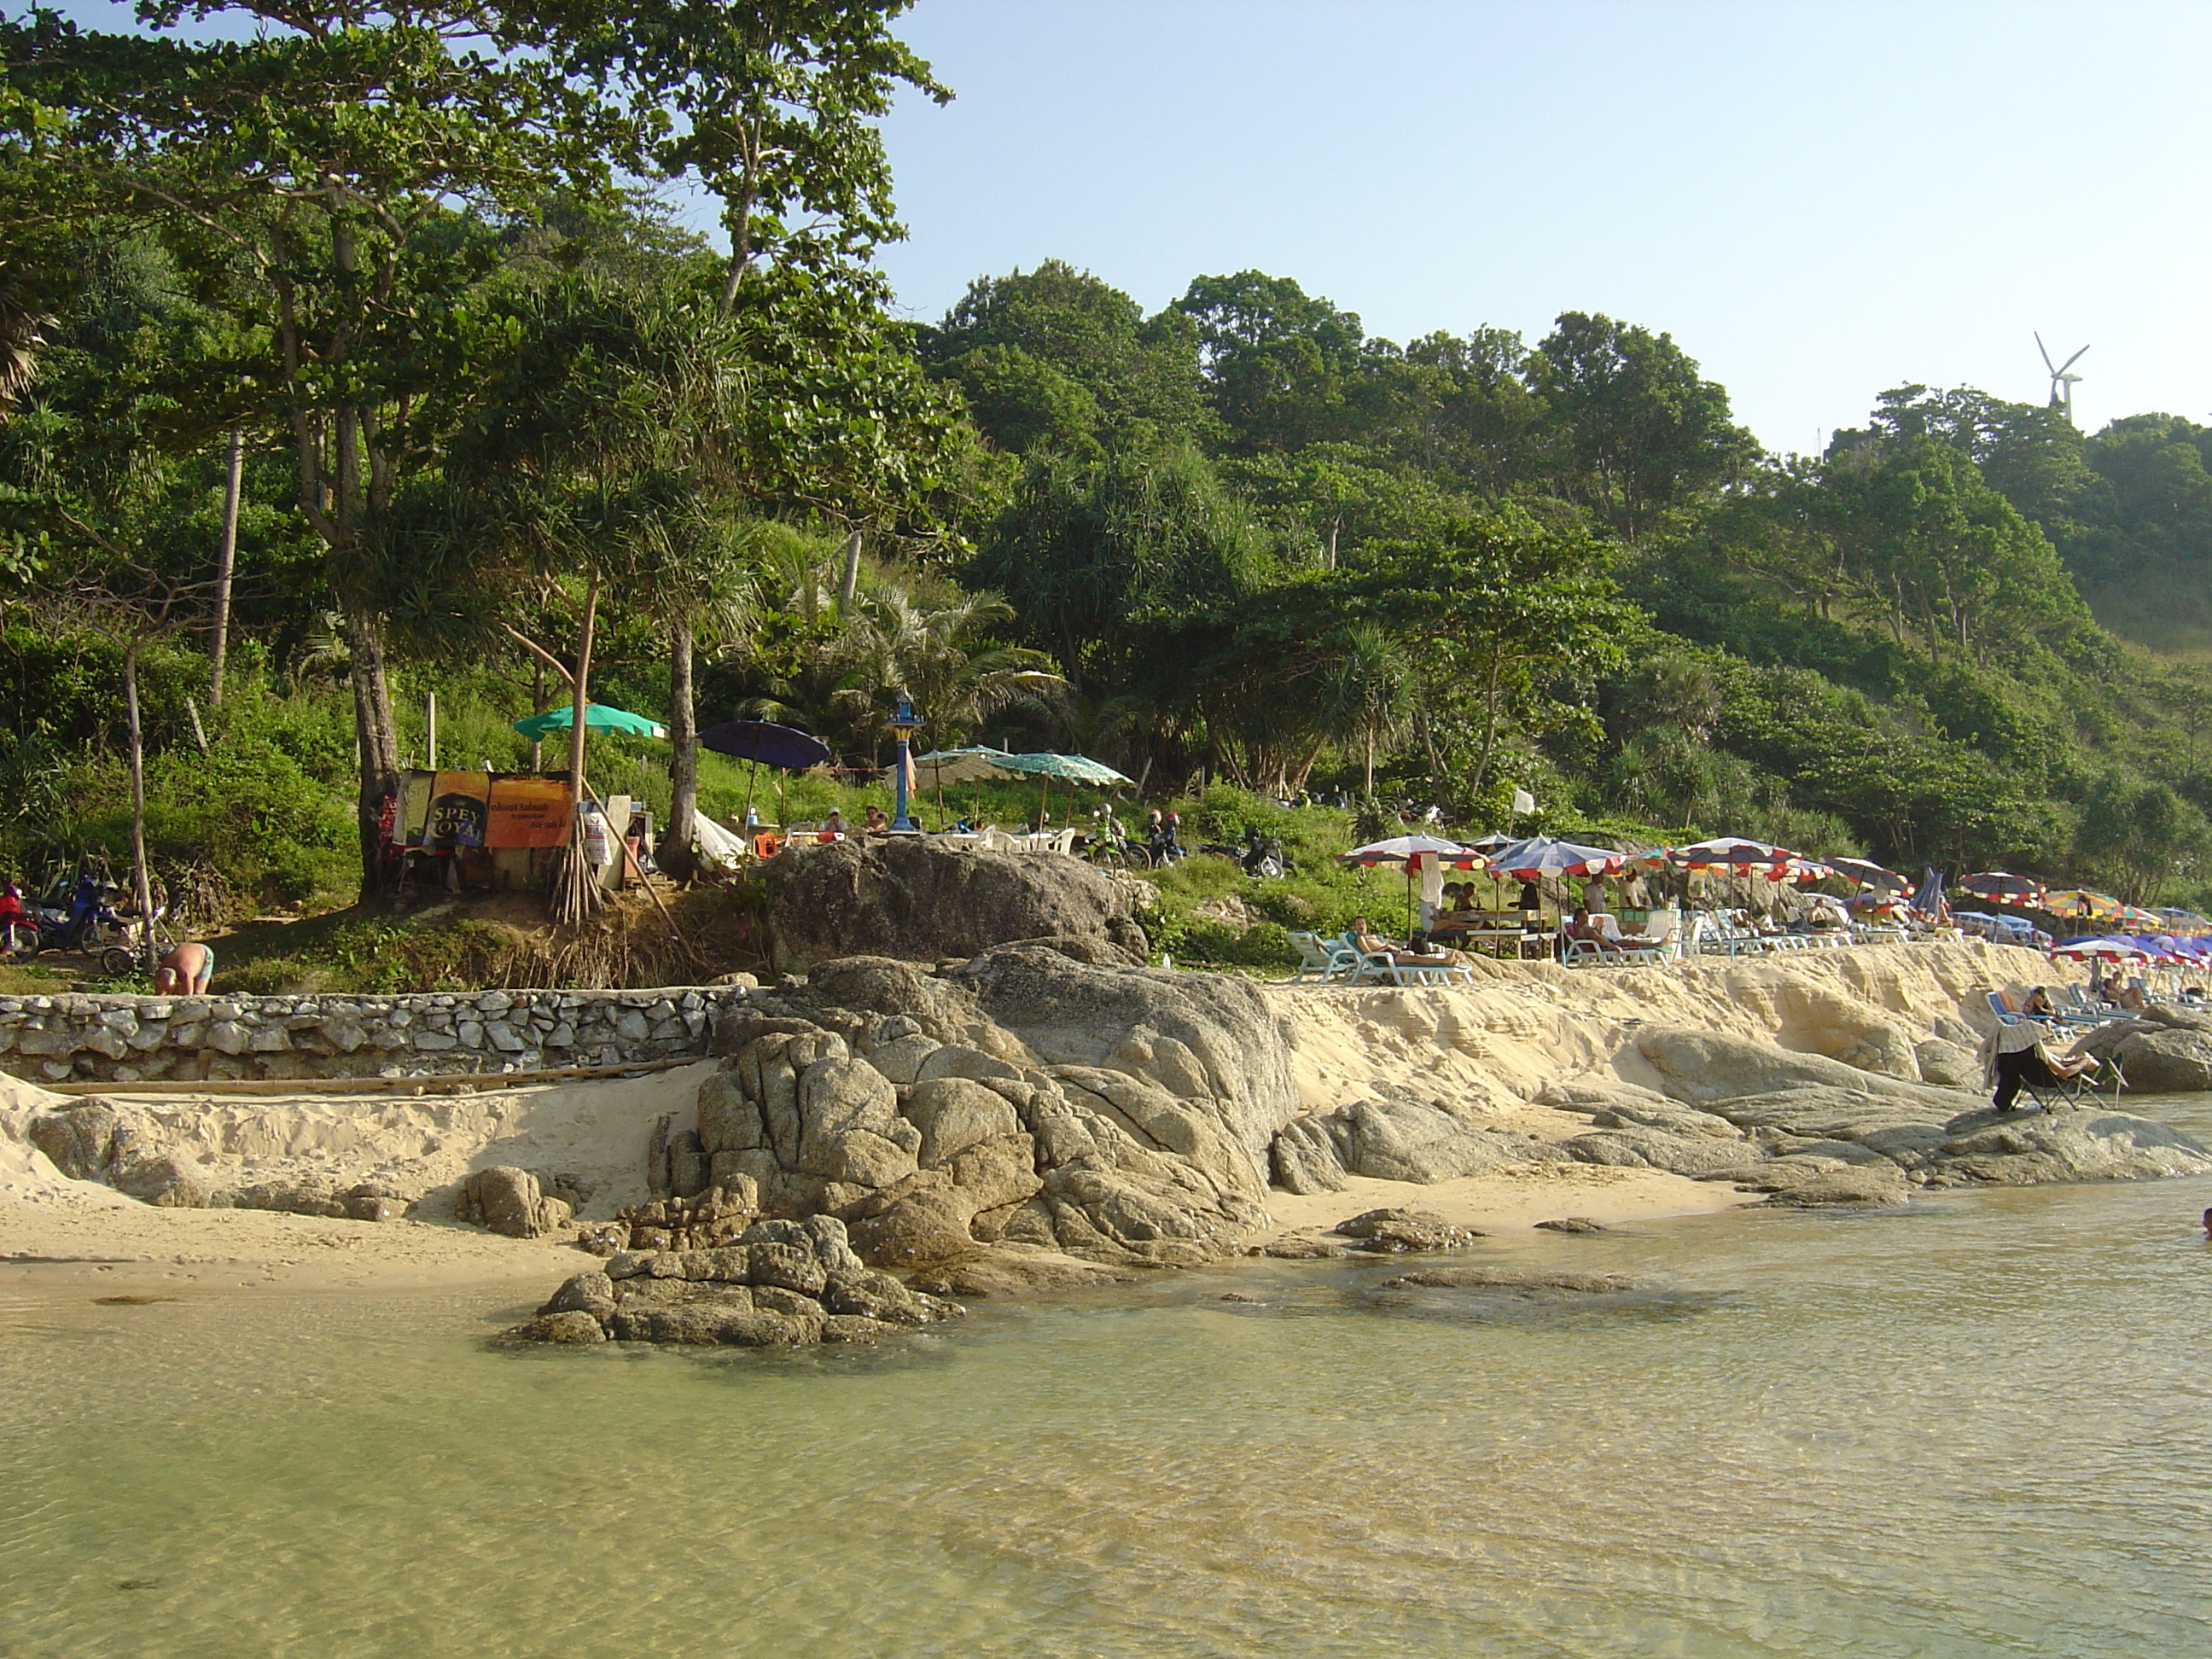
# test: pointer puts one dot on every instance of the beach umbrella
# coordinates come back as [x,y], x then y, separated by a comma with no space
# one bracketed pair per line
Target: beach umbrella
[2185,923]
[1405,850]
[2110,949]
[1541,856]
[2004,888]
[764,743]
[960,766]
[1871,877]
[1489,843]
[1729,855]
[2079,901]
[1400,850]
[597,717]
[1073,768]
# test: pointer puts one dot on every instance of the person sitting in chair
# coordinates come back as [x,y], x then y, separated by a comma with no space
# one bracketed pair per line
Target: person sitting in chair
[1585,926]
[879,821]
[2038,1006]
[2016,1057]
[1369,946]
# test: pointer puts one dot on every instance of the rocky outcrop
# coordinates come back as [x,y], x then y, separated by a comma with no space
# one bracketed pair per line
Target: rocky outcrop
[1400,1232]
[1030,1099]
[781,1284]
[1828,1135]
[912,898]
[1396,1138]
[506,1200]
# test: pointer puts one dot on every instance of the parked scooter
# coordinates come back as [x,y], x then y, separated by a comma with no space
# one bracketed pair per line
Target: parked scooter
[84,919]
[1258,855]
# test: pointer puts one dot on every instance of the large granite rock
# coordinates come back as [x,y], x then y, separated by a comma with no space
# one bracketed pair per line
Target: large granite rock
[919,899]
[1397,1136]
[505,1200]
[2167,1060]
[783,1284]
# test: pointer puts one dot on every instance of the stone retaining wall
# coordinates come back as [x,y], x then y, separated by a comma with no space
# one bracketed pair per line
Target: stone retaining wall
[51,1039]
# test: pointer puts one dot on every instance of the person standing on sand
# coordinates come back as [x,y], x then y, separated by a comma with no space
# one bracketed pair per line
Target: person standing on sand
[184,971]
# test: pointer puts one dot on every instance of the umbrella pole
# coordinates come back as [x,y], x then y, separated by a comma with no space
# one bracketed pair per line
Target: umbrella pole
[1044,805]
[752,778]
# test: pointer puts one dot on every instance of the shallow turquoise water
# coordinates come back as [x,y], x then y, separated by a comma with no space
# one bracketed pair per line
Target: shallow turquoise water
[1982,1427]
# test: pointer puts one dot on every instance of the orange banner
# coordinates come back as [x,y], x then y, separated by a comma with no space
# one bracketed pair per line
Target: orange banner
[528,812]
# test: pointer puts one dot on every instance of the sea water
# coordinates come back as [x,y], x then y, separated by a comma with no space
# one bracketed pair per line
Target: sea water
[1980,1427]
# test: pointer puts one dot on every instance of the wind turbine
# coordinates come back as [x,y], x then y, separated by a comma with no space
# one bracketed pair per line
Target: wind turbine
[2061,383]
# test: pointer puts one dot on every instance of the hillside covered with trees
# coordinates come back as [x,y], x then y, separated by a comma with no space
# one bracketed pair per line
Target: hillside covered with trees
[497,424]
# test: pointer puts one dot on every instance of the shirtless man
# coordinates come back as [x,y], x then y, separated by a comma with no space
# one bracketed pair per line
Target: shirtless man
[184,971]
[1371,945]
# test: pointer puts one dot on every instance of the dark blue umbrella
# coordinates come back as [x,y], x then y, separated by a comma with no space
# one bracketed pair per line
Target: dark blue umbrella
[765,744]
[765,741]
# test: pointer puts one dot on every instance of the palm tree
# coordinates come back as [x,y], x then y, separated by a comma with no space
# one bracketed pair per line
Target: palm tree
[22,331]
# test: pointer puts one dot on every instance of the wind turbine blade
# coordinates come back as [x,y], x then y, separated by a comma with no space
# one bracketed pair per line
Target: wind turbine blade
[2071,361]
[2047,363]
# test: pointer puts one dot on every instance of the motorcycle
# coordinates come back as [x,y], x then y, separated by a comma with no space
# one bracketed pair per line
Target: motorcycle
[1257,856]
[1109,848]
[81,919]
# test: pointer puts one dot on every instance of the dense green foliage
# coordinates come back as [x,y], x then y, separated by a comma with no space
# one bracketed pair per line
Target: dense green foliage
[506,427]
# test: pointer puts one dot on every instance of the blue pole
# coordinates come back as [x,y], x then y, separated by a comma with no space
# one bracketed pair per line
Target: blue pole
[902,722]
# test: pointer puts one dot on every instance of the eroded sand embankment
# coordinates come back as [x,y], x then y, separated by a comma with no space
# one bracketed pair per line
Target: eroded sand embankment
[1485,1051]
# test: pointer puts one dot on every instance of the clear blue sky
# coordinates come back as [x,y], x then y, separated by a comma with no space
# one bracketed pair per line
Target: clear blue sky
[1817,198]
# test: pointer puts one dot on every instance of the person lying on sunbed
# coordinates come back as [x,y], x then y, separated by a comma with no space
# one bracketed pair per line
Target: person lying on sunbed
[1586,927]
[1365,938]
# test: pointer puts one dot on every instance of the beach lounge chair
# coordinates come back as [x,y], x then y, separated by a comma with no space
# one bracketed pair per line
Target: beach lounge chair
[1376,968]
[1323,961]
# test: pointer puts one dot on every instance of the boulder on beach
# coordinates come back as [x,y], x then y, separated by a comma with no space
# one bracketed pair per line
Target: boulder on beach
[506,1200]
[920,900]
[783,1284]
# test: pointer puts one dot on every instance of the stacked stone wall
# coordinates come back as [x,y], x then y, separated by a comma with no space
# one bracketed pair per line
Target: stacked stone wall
[124,1039]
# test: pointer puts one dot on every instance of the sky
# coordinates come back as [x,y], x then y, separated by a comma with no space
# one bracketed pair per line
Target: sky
[1817,201]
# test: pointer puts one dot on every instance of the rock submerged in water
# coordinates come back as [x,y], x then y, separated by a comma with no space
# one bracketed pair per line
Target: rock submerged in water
[783,1284]
[1394,1232]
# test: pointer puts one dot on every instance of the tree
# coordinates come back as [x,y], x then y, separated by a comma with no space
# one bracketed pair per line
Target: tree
[1637,429]
[319,178]
[1140,374]
[772,108]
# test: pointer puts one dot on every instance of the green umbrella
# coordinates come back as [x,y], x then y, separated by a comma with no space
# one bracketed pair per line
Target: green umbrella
[1074,768]
[597,717]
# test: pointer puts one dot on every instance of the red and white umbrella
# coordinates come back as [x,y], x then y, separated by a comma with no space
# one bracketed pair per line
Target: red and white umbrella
[1540,856]
[1728,854]
[1403,849]
[2112,949]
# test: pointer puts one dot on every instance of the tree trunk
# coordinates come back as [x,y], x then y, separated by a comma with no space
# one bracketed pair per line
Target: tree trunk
[141,882]
[581,698]
[379,736]
[537,702]
[226,556]
[684,756]
[849,588]
[576,896]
